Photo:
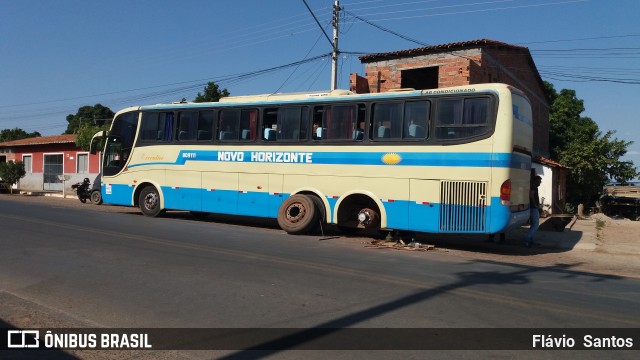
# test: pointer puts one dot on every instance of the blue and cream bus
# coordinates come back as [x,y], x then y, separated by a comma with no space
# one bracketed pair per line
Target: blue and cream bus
[451,160]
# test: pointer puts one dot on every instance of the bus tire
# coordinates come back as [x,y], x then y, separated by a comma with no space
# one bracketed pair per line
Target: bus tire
[322,213]
[150,202]
[298,214]
[96,197]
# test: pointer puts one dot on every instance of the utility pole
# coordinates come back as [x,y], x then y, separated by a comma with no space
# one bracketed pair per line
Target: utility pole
[335,52]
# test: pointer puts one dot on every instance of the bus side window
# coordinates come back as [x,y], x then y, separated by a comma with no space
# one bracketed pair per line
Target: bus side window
[248,125]
[416,120]
[462,118]
[449,114]
[317,131]
[340,122]
[205,125]
[149,127]
[292,123]
[157,127]
[358,132]
[387,121]
[187,126]
[228,122]
[269,124]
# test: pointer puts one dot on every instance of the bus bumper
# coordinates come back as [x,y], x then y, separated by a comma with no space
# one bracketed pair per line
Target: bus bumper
[517,219]
[503,220]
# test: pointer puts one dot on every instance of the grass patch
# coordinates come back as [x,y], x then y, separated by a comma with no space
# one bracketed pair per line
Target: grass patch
[600,224]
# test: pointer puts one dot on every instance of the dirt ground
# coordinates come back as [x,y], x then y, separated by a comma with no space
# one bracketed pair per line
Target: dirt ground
[598,243]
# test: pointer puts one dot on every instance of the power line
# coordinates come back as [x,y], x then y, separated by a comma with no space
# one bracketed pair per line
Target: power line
[198,83]
[467,11]
[318,22]
[298,66]
[580,39]
[385,29]
[192,85]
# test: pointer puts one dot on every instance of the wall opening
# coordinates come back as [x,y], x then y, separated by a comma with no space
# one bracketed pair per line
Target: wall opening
[420,79]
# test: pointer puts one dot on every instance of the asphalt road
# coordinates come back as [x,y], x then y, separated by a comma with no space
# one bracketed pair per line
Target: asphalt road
[123,270]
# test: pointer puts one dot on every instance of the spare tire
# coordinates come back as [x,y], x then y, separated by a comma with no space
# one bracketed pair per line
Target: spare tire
[298,214]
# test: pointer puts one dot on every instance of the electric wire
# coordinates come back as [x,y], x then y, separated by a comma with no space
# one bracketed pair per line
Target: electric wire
[297,25]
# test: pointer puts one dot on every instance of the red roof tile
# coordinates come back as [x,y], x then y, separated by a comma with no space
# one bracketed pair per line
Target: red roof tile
[549,162]
[41,140]
[432,48]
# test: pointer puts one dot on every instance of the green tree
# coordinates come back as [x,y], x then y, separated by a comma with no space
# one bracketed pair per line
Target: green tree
[16,134]
[97,115]
[593,157]
[11,172]
[212,93]
[85,133]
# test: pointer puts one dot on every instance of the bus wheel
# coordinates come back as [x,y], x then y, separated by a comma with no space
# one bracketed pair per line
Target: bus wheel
[96,197]
[297,214]
[150,202]
[322,214]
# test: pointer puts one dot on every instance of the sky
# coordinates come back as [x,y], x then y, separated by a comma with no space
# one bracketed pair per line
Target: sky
[56,56]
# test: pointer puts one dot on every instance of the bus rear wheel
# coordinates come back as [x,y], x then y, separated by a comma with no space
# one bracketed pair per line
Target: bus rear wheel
[149,201]
[298,214]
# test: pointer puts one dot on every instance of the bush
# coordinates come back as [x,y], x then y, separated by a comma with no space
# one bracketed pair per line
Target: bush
[11,172]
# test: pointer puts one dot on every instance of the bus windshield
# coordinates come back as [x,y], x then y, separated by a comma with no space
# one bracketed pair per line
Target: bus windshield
[119,143]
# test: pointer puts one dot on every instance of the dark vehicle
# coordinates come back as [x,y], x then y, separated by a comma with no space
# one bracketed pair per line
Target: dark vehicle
[85,191]
[622,200]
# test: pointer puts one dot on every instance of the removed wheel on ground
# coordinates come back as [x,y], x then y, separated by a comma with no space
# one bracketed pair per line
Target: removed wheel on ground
[298,214]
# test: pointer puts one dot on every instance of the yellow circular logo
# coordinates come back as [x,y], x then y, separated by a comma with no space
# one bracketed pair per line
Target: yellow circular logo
[391,159]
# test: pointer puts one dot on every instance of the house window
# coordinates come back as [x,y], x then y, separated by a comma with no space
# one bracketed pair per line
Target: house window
[83,163]
[26,160]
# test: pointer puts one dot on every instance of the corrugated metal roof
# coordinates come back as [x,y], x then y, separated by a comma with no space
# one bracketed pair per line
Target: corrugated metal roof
[438,48]
[41,140]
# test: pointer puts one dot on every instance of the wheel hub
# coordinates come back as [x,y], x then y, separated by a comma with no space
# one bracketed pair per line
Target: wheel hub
[296,212]
[151,201]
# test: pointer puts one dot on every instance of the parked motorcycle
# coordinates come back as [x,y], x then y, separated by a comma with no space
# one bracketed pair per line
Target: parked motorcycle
[84,192]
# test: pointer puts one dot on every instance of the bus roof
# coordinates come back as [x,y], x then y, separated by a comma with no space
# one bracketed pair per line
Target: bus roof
[314,97]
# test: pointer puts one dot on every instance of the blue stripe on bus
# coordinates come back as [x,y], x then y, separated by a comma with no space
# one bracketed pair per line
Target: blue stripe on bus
[466,159]
[401,214]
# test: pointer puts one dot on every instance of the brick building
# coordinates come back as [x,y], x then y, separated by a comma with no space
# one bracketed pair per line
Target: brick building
[465,63]
[46,158]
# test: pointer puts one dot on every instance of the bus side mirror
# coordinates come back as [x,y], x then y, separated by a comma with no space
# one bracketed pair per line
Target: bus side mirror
[96,141]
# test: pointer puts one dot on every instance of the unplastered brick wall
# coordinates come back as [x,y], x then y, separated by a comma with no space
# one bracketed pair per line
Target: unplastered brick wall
[515,67]
[454,69]
[464,67]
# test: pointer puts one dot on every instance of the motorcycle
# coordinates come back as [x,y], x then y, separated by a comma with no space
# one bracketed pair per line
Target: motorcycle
[84,192]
